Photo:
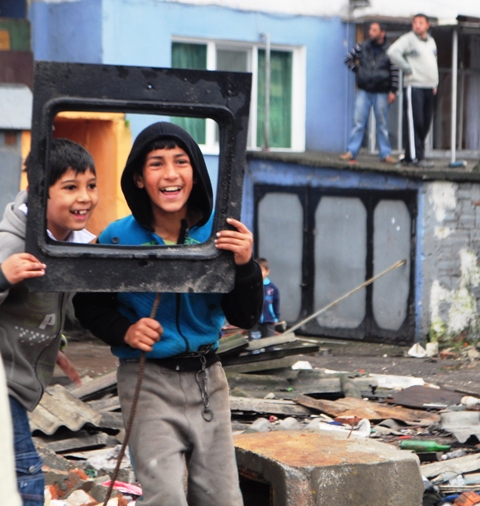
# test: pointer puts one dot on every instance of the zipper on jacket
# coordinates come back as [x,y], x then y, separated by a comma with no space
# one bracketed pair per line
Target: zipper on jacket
[177,320]
[181,240]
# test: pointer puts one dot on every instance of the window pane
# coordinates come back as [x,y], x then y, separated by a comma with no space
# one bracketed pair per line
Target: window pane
[340,260]
[391,243]
[232,61]
[190,56]
[280,223]
[280,99]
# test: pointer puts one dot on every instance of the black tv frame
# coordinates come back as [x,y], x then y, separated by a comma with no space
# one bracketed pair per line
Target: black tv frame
[221,96]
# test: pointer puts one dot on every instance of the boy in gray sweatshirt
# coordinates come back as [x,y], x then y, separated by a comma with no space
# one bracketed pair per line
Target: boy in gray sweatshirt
[416,54]
[31,322]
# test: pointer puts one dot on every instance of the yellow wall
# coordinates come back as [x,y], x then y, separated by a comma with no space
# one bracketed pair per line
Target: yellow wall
[107,137]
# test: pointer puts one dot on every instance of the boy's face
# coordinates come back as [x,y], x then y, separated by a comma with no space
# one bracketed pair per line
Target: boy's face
[168,180]
[71,202]
[265,271]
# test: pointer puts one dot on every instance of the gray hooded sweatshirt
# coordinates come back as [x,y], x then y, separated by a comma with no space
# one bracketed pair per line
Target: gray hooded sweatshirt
[30,323]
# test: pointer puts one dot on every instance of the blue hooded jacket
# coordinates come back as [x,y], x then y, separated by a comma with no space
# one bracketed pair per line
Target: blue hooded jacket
[189,320]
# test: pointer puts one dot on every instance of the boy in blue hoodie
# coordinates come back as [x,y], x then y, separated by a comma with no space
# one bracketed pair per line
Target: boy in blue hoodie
[183,413]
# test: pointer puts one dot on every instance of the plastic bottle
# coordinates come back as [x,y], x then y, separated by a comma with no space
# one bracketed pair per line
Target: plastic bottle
[454,455]
[423,446]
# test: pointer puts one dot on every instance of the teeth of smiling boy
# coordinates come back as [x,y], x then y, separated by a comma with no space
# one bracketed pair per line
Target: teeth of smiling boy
[79,212]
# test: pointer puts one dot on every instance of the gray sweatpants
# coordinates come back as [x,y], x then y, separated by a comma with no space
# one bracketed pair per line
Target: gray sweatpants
[169,429]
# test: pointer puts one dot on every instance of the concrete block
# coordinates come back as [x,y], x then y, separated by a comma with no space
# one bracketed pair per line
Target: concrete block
[325,468]
[466,221]
[464,192]
[475,192]
[64,482]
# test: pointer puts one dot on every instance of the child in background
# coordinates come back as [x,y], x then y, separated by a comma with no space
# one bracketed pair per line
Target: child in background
[183,412]
[271,305]
[31,322]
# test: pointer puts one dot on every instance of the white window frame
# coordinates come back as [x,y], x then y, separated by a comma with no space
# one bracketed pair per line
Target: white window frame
[298,98]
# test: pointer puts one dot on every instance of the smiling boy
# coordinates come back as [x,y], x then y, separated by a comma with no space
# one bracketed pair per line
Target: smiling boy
[30,323]
[183,412]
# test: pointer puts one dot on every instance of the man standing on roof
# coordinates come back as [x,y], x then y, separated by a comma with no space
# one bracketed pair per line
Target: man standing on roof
[416,54]
[377,82]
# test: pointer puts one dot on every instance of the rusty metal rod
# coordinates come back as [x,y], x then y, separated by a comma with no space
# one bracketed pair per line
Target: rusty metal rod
[396,265]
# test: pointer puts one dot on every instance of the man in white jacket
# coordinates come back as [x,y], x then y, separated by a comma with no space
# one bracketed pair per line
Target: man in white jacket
[416,54]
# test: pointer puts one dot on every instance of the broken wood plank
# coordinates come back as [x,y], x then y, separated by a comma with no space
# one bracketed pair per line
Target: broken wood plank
[111,421]
[96,387]
[286,350]
[232,343]
[265,342]
[264,365]
[268,406]
[350,406]
[308,381]
[349,388]
[101,405]
[460,465]
[425,398]
[84,441]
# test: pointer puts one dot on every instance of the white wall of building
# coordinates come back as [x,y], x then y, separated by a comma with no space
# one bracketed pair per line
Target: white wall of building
[441,9]
[438,8]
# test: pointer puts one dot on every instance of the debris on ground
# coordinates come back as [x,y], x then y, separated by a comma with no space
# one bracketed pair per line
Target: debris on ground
[276,386]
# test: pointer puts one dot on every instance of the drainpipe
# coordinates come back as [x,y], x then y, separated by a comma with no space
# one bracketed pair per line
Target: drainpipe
[400,112]
[461,103]
[453,132]
[266,37]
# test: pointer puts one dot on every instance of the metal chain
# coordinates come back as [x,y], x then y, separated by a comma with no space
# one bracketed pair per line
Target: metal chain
[207,413]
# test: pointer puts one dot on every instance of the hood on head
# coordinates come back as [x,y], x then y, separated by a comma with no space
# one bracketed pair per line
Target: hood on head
[201,197]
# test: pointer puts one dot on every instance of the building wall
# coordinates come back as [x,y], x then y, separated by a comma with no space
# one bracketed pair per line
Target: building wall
[451,249]
[140,33]
[67,31]
[358,197]
[11,163]
[328,88]
[447,242]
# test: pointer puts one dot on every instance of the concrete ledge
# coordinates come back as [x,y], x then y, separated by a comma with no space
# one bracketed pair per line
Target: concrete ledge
[323,468]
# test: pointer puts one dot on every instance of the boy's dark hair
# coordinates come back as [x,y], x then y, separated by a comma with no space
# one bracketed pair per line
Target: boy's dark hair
[163,143]
[66,154]
[421,15]
[263,262]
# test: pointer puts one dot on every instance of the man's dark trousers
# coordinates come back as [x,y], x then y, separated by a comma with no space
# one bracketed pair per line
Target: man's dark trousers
[417,117]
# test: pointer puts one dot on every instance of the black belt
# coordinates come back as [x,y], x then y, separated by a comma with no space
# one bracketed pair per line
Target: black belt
[185,362]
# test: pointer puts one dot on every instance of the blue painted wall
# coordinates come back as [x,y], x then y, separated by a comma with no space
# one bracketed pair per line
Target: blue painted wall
[67,31]
[16,9]
[327,85]
[288,175]
[140,33]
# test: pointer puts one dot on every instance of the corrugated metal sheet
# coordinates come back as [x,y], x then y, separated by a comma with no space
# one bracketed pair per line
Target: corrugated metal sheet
[15,107]
[59,407]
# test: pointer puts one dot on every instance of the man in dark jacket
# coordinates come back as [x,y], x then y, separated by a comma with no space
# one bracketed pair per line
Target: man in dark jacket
[377,82]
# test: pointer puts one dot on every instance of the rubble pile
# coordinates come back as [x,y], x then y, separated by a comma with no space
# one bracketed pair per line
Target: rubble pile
[273,387]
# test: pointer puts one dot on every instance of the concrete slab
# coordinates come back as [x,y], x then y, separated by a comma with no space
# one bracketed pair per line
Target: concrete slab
[320,469]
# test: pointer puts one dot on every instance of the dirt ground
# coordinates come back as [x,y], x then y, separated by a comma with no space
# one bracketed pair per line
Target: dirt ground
[93,358]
